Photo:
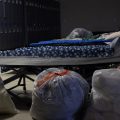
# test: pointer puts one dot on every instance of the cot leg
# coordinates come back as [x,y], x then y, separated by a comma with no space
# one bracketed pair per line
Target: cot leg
[24,84]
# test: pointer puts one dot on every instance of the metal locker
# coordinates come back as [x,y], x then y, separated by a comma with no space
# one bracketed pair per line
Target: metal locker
[26,21]
[1,9]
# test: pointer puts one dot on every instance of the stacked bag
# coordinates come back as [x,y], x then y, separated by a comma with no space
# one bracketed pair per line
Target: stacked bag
[105,98]
[6,104]
[58,94]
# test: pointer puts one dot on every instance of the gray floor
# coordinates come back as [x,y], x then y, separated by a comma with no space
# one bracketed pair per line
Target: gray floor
[23,104]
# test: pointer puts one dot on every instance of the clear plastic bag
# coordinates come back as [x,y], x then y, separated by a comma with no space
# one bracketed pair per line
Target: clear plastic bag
[58,94]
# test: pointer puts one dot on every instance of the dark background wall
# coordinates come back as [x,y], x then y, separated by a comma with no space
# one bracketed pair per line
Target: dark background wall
[25,21]
[94,15]
[41,21]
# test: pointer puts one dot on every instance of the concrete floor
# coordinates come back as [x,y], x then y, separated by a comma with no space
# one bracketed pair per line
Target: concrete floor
[23,104]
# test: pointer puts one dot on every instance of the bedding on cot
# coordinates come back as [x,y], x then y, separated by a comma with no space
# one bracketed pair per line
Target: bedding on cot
[79,43]
[61,51]
[71,42]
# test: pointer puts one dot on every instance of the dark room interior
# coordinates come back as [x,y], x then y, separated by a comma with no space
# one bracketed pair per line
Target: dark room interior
[59,60]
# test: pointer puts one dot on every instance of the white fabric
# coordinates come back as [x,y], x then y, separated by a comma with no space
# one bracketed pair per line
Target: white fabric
[113,35]
[108,36]
[6,104]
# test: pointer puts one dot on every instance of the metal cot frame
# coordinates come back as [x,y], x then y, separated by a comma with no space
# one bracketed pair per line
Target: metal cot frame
[26,65]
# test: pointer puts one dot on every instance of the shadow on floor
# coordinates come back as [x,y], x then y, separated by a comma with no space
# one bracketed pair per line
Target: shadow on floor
[22,103]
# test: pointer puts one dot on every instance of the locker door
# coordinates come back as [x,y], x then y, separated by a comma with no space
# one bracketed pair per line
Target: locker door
[1,9]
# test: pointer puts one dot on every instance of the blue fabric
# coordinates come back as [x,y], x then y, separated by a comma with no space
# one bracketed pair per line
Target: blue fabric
[61,51]
[50,42]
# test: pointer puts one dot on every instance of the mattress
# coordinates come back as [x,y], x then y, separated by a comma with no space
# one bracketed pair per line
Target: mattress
[61,51]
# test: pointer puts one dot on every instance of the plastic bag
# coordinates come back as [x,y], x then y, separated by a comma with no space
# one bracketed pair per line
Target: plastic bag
[105,101]
[58,94]
[79,33]
[6,104]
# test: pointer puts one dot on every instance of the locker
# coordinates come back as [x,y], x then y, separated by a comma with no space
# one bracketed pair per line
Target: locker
[26,21]
[1,9]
